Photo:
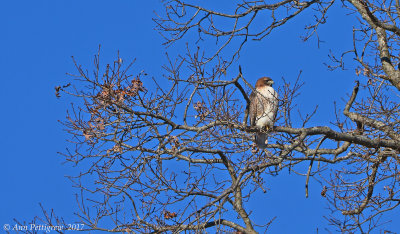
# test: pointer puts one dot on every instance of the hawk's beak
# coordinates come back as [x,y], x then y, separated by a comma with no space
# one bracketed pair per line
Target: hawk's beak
[271,82]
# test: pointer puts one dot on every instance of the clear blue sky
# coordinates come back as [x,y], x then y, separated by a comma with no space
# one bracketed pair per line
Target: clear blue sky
[36,42]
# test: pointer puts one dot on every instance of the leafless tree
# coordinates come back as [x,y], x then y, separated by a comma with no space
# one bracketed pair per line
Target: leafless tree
[176,153]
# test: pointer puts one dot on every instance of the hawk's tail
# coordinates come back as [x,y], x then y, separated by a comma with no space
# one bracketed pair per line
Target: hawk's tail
[261,140]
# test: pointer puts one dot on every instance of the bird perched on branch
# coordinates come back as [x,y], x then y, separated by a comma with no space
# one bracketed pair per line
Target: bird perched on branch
[263,109]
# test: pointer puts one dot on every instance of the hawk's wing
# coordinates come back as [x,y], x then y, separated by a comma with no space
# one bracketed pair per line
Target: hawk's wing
[253,108]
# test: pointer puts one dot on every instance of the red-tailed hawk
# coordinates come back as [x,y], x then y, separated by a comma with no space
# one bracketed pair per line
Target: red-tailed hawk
[263,108]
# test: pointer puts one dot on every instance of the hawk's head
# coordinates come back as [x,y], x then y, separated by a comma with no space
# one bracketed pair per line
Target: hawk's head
[264,81]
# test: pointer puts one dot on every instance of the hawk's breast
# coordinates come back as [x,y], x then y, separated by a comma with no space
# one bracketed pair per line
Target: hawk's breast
[267,106]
